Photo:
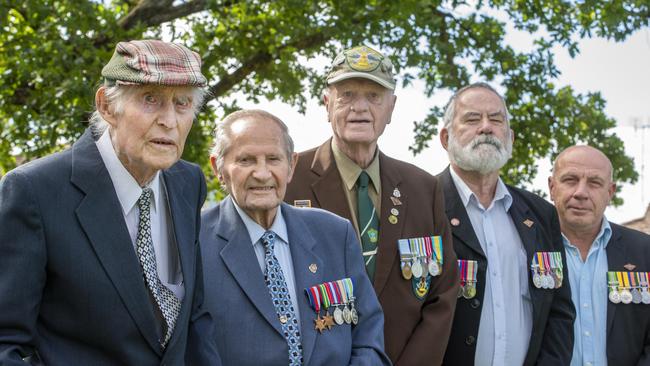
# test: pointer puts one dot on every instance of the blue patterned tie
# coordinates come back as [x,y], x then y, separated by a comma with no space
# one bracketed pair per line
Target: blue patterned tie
[168,303]
[281,301]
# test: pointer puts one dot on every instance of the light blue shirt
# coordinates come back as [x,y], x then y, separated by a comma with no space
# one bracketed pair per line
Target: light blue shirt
[507,313]
[588,282]
[280,249]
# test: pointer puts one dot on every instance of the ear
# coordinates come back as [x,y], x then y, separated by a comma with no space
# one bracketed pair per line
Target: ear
[292,168]
[444,138]
[512,136]
[326,101]
[103,107]
[611,190]
[392,107]
[213,163]
[551,185]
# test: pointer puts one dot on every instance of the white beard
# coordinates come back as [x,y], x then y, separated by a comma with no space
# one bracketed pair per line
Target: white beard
[484,154]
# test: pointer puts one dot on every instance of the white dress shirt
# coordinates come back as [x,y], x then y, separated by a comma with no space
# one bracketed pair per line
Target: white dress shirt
[162,232]
[507,313]
[281,249]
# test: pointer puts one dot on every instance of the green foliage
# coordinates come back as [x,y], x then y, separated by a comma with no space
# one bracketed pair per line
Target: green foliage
[53,52]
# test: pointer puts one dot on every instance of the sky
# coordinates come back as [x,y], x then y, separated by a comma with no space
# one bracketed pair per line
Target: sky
[620,71]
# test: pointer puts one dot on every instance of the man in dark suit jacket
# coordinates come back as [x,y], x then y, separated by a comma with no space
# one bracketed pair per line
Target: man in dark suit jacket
[502,317]
[599,255]
[100,258]
[256,287]
[408,202]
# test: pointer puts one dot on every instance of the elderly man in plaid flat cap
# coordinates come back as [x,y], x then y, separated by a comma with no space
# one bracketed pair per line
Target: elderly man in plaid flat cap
[100,262]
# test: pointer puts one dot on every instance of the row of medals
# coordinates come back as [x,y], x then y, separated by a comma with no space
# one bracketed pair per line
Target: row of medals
[417,266]
[467,290]
[342,314]
[626,296]
[547,280]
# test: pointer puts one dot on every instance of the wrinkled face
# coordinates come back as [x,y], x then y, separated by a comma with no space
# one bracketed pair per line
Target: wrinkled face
[479,138]
[359,110]
[581,188]
[149,133]
[256,168]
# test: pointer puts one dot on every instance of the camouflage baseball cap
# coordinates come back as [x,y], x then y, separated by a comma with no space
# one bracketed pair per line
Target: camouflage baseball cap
[153,62]
[362,62]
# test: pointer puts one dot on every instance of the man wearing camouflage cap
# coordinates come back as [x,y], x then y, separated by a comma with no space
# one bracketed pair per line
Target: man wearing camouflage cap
[100,262]
[397,208]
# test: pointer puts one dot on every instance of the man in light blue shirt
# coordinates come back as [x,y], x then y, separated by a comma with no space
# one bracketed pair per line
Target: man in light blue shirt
[501,318]
[581,188]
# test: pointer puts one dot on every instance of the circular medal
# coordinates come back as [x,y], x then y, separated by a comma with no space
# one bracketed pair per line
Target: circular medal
[406,271]
[636,296]
[460,291]
[434,268]
[416,269]
[544,281]
[556,280]
[466,292]
[645,297]
[338,316]
[626,296]
[355,316]
[614,297]
[347,316]
[550,282]
[471,291]
[537,280]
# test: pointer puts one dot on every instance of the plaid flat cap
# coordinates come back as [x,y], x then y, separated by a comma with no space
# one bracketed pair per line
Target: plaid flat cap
[153,62]
[362,62]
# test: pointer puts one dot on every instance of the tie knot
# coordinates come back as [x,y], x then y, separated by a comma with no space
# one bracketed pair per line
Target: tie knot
[268,239]
[145,198]
[364,179]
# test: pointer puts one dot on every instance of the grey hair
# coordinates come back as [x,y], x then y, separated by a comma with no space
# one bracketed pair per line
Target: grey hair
[450,109]
[118,94]
[223,129]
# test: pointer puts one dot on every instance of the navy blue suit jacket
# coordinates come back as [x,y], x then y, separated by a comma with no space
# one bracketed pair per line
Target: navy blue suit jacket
[71,284]
[628,325]
[551,341]
[248,329]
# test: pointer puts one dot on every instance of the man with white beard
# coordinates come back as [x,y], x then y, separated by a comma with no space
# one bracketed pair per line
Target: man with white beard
[514,304]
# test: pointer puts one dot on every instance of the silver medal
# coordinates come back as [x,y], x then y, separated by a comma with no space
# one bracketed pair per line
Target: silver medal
[338,316]
[614,297]
[537,280]
[416,268]
[434,268]
[626,296]
[645,297]
[636,296]
[347,316]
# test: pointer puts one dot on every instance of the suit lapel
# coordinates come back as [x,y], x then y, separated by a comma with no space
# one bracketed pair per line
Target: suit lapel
[239,256]
[389,233]
[303,255]
[616,259]
[328,189]
[531,242]
[100,216]
[182,213]
[456,212]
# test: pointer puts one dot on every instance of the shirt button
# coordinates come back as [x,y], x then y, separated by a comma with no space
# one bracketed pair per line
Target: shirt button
[588,364]
[470,340]
[585,305]
[498,305]
[587,333]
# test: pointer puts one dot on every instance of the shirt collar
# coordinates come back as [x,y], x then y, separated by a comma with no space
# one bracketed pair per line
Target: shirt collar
[127,188]
[255,230]
[602,239]
[467,196]
[350,170]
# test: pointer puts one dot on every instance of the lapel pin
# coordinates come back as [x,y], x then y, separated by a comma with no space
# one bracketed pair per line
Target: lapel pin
[528,222]
[394,211]
[395,200]
[302,203]
[455,222]
[313,268]
[630,267]
[392,219]
[396,193]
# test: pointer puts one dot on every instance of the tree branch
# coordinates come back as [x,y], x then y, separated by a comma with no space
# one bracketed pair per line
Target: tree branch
[156,12]
[259,60]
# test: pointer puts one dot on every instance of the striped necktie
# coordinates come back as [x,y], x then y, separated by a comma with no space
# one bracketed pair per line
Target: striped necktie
[368,224]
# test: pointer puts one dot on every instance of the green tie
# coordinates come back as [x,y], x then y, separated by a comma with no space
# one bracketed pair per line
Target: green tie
[368,224]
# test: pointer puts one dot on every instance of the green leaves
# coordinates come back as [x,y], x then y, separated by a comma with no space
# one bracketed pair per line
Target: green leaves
[53,52]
